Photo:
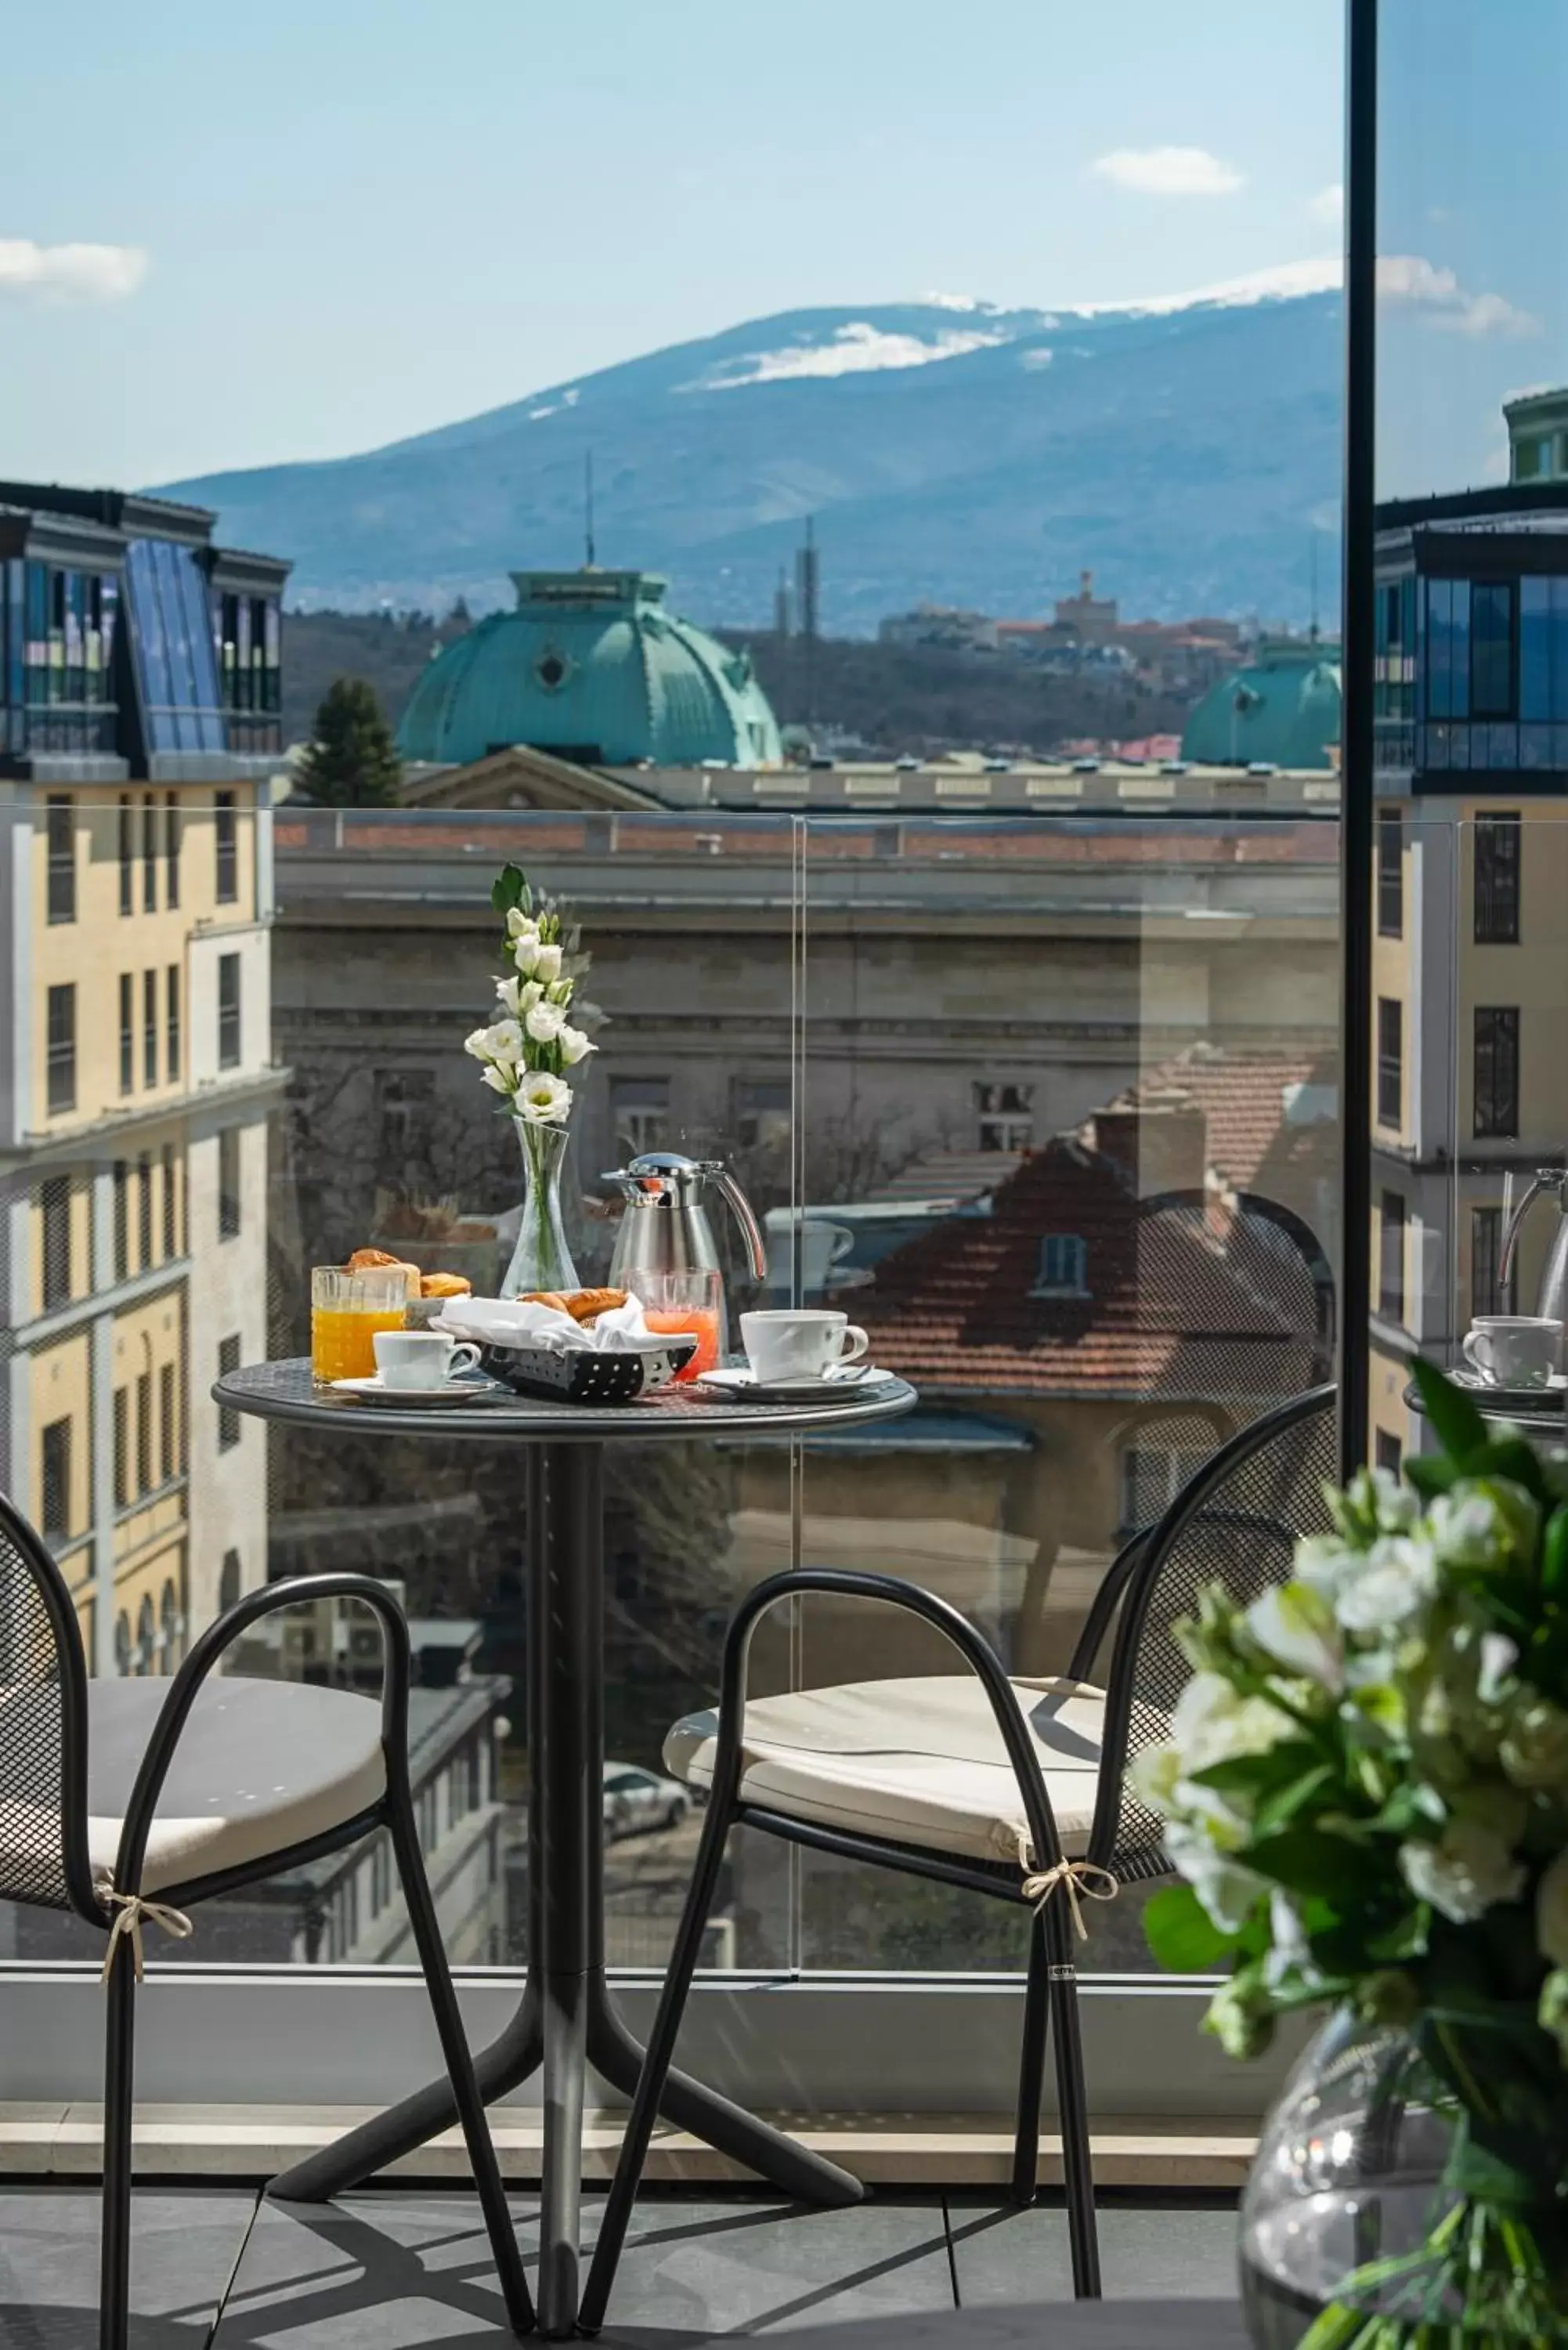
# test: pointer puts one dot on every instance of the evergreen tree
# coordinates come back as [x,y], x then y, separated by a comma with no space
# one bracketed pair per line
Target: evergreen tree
[350,761]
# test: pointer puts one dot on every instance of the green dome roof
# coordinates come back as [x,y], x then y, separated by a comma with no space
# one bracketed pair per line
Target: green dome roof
[591,666]
[1283,710]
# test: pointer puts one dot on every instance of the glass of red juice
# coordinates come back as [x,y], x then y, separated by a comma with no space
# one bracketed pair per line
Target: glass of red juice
[687,1301]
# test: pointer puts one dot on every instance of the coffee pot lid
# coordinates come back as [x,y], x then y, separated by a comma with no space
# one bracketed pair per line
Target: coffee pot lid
[656,1174]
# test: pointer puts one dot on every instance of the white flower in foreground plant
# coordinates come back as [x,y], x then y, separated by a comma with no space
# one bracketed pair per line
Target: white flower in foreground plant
[1397,1576]
[1498,1656]
[517,994]
[543,1099]
[1288,1953]
[1211,1723]
[544,1022]
[502,1043]
[1464,1875]
[1226,1889]
[574,1045]
[520,925]
[1293,1624]
[500,1081]
[1483,1524]
[1326,1561]
[547,963]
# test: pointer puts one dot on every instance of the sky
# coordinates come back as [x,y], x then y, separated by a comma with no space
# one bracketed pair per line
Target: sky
[239,237]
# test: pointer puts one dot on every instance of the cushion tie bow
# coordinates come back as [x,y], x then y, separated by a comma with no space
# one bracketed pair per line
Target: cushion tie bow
[1079,1878]
[130,1910]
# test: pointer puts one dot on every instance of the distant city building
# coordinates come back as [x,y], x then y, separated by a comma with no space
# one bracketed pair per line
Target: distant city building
[1282,710]
[138,700]
[1092,619]
[592,668]
[940,624]
[1538,436]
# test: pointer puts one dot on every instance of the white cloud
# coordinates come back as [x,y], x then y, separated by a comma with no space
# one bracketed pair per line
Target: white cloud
[1328,205]
[1406,281]
[1168,171]
[79,273]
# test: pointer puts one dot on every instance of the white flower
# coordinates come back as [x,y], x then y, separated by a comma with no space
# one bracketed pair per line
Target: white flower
[544,1022]
[1396,1507]
[559,990]
[1211,1723]
[1325,1561]
[1226,1889]
[502,1044]
[1288,1950]
[1552,1913]
[520,925]
[1498,1656]
[575,1047]
[543,1099]
[500,1081]
[517,994]
[1465,1874]
[547,963]
[1470,1529]
[1534,1750]
[1294,1625]
[1396,1575]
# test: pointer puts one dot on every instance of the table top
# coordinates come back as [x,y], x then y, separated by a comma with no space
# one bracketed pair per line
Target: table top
[286,1391]
[1528,1407]
[1173,2325]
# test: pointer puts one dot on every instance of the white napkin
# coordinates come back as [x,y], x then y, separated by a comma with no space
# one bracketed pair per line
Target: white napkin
[515,1322]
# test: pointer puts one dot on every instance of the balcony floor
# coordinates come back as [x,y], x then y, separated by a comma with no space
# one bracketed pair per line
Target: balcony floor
[392,2269]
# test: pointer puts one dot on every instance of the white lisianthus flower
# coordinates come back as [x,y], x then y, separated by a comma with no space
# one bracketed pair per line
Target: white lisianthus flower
[1293,1624]
[502,1043]
[1484,1525]
[1325,1561]
[1397,1508]
[1397,1576]
[520,925]
[547,963]
[1464,1875]
[1288,1950]
[559,990]
[507,991]
[544,1022]
[543,1098]
[1225,1888]
[1498,1656]
[500,1081]
[575,1047]
[1211,1723]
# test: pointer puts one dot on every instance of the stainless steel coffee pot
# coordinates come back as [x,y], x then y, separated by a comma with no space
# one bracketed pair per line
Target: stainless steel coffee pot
[665,1227]
[1553,1181]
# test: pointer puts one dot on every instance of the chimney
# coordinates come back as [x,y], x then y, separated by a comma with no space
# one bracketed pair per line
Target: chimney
[1158,1139]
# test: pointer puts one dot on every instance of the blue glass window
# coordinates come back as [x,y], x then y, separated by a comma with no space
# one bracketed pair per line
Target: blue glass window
[1448,647]
[172,631]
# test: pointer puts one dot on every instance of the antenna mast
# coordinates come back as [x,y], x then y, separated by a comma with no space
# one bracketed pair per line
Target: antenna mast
[589,510]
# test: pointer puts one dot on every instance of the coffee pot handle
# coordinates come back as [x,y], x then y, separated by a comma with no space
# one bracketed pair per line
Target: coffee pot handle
[746,1218]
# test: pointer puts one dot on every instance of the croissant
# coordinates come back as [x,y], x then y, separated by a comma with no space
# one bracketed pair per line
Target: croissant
[582,1304]
[370,1260]
[444,1284]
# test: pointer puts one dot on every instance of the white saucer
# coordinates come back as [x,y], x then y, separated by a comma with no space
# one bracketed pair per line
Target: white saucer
[837,1386]
[460,1390]
[1474,1384]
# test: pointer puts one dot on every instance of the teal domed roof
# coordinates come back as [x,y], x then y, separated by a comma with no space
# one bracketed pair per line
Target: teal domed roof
[1283,710]
[592,667]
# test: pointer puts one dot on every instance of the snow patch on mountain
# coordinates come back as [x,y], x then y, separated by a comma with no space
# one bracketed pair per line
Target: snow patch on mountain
[857,349]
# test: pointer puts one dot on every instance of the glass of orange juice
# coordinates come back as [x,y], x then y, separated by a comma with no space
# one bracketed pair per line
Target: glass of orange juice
[346,1309]
[687,1301]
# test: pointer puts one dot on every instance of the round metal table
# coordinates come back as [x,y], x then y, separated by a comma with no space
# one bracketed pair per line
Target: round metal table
[1173,2325]
[565,2020]
[1539,1412]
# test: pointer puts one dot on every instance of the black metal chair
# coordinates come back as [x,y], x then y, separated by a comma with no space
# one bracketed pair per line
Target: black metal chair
[1061,1801]
[128,1802]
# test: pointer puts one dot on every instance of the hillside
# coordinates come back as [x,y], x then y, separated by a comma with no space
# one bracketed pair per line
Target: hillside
[969,456]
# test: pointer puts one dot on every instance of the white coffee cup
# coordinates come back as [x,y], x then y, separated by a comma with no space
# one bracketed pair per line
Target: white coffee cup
[782,1343]
[420,1358]
[1514,1350]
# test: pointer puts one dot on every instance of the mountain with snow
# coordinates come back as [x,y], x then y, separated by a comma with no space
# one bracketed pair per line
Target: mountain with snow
[1185,449]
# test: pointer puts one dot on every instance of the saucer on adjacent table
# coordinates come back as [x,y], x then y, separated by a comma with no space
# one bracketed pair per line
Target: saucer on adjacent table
[466,1389]
[1473,1383]
[840,1384]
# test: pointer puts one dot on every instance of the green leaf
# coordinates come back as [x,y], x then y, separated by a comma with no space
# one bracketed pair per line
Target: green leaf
[1307,1860]
[1455,1422]
[1276,1809]
[1554,1555]
[509,888]
[1253,1776]
[1181,1934]
[1513,1457]
[1431,1474]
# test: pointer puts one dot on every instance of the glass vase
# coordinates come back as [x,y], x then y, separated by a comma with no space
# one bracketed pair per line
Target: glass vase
[542,1258]
[1384,2212]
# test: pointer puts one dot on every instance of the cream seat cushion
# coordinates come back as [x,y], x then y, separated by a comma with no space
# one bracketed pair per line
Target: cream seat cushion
[260,1765]
[921,1761]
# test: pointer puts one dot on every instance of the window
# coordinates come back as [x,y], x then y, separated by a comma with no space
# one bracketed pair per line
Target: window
[126,856]
[171,1037]
[167,1424]
[228,1580]
[228,1418]
[121,1220]
[406,1099]
[149,853]
[144,1431]
[168,1629]
[55,1493]
[1390,1060]
[228,1012]
[1447,649]
[1487,1293]
[127,1032]
[149,1027]
[1496,1070]
[1064,1266]
[1543,651]
[144,1209]
[60,1055]
[1389,1452]
[1391,1284]
[146,1637]
[229,1183]
[62,839]
[1152,1475]
[170,850]
[225,841]
[639,1113]
[1390,877]
[1004,1117]
[121,1448]
[1498,845]
[55,1208]
[1491,648]
[170,1203]
[759,1112]
[122,1646]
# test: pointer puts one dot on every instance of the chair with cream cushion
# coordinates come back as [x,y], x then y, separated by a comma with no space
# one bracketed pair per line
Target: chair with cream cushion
[129,1802]
[1010,1786]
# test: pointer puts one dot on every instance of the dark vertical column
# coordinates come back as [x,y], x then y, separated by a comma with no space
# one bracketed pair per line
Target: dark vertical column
[1357,821]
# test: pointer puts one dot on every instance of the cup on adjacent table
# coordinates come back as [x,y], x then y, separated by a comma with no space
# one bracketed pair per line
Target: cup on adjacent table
[420,1358]
[1514,1350]
[784,1342]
